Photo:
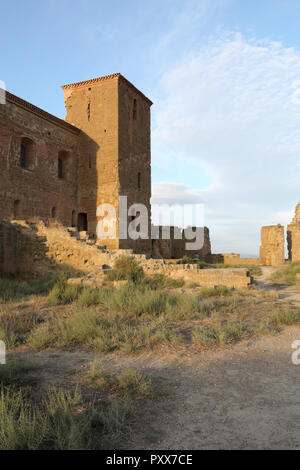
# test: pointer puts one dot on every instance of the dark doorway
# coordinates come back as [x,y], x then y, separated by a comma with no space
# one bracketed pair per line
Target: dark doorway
[82,224]
[17,209]
[73,222]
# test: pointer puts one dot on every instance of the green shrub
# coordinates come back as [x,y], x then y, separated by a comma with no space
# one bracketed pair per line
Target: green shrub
[227,333]
[216,291]
[16,326]
[63,293]
[233,332]
[127,267]
[115,275]
[51,425]
[11,290]
[285,317]
[207,336]
[134,383]
[16,372]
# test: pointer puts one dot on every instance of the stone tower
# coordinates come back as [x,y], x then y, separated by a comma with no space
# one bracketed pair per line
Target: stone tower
[115,154]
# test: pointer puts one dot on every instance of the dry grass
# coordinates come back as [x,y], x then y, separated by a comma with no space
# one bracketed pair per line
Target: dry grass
[287,274]
[143,315]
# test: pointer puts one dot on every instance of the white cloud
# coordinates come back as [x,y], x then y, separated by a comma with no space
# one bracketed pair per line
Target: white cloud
[174,193]
[234,106]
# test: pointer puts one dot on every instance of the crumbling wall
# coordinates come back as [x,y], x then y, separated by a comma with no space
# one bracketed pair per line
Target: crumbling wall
[205,249]
[272,245]
[35,250]
[293,236]
[238,278]
[234,258]
[174,246]
[22,252]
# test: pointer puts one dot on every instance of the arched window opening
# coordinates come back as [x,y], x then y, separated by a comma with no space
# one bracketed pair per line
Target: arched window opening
[63,164]
[134,110]
[17,209]
[139,180]
[53,213]
[27,153]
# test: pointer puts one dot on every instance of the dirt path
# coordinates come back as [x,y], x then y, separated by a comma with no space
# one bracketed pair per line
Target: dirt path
[242,397]
[286,292]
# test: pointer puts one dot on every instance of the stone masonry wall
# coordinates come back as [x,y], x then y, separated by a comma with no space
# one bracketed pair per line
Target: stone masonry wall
[36,191]
[272,245]
[293,236]
[238,278]
[176,248]
[115,119]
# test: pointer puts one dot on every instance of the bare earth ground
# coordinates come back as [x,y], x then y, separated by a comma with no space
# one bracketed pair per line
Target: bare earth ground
[242,397]
[286,292]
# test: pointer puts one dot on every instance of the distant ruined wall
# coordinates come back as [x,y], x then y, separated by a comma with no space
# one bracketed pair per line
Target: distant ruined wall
[234,258]
[272,245]
[293,236]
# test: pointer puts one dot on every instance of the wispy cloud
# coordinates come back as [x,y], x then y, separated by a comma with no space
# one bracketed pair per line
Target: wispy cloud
[234,106]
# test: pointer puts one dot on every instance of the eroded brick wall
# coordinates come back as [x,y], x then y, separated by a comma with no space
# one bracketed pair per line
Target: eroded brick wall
[36,191]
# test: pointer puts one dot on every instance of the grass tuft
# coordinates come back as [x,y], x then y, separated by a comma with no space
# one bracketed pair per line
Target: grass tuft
[285,317]
[287,274]
[216,291]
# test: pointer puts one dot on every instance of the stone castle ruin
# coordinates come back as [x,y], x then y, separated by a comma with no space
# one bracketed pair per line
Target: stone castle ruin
[62,170]
[54,175]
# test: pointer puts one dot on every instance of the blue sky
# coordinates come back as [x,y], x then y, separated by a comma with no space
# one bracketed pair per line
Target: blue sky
[224,76]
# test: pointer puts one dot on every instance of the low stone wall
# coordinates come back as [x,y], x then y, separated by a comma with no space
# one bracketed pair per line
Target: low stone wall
[238,278]
[231,258]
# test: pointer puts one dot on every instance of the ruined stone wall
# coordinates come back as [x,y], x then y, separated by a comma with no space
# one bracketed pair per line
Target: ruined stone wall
[205,249]
[174,247]
[272,245]
[238,278]
[37,250]
[234,258]
[293,236]
[36,190]
[135,155]
[16,249]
